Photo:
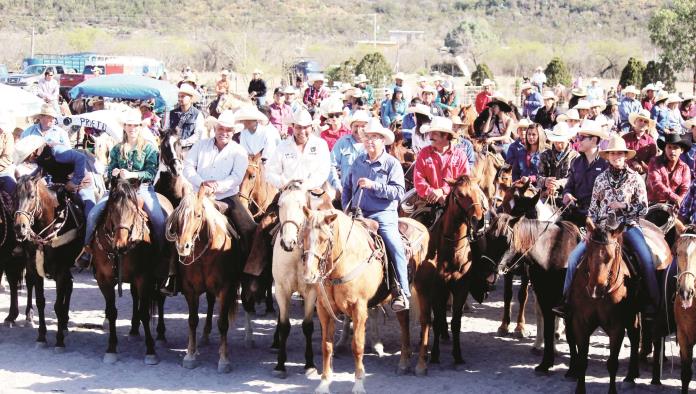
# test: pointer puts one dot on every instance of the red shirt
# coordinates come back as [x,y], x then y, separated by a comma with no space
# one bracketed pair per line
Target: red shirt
[432,168]
[331,138]
[666,186]
[482,99]
[644,146]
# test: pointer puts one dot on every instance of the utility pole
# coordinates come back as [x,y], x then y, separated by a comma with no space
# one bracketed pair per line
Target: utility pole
[33,30]
[374,30]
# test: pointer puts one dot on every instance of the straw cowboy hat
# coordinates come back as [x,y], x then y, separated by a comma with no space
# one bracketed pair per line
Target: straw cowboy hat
[662,96]
[26,146]
[7,122]
[594,79]
[131,116]
[617,144]
[525,86]
[690,123]
[400,76]
[361,78]
[549,95]
[487,82]
[331,107]
[442,124]
[428,89]
[524,123]
[353,92]
[316,77]
[501,101]
[360,116]
[582,104]
[674,139]
[249,113]
[47,110]
[593,128]
[631,89]
[227,119]
[674,98]
[423,78]
[375,127]
[579,92]
[420,109]
[302,118]
[648,87]
[571,114]
[598,103]
[188,89]
[561,133]
[224,72]
[642,114]
[289,90]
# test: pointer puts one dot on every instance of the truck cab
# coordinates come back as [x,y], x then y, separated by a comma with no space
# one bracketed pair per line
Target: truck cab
[30,77]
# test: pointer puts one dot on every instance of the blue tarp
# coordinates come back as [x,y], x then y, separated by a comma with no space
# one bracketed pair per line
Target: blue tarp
[133,87]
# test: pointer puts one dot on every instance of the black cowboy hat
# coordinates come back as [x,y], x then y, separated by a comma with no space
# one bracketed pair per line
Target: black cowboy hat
[501,102]
[674,139]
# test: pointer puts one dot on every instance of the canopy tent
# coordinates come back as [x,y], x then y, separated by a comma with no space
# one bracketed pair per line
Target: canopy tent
[132,87]
[19,102]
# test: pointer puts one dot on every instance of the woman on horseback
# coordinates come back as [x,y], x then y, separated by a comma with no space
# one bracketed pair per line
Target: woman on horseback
[133,158]
[621,191]
[554,163]
[527,162]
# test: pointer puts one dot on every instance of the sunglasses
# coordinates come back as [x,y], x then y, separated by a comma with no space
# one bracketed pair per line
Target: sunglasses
[581,137]
[333,116]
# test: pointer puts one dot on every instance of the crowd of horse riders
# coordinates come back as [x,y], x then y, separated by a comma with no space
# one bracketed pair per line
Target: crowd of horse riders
[324,181]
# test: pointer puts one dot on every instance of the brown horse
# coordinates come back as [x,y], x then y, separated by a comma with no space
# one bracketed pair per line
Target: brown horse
[122,252]
[684,312]
[349,278]
[207,265]
[602,296]
[171,182]
[254,189]
[51,227]
[10,264]
[486,169]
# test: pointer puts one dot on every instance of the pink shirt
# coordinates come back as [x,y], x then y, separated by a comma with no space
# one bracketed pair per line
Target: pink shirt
[278,115]
[432,168]
[331,138]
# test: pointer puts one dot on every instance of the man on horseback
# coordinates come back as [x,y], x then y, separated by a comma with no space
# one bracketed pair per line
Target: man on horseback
[669,177]
[258,135]
[186,119]
[375,186]
[555,162]
[346,149]
[620,191]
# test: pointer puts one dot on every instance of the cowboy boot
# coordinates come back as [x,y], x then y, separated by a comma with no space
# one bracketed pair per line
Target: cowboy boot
[170,285]
[84,259]
[562,309]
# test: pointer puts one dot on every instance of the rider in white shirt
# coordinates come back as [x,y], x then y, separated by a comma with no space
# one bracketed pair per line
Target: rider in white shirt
[303,157]
[257,134]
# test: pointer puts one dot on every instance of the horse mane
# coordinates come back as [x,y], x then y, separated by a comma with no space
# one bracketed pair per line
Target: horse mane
[25,182]
[526,233]
[121,196]
[500,224]
[214,221]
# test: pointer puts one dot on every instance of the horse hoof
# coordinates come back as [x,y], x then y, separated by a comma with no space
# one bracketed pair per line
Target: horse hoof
[311,371]
[280,374]
[40,345]
[28,324]
[379,350]
[421,372]
[110,358]
[521,334]
[503,331]
[161,342]
[151,359]
[542,369]
[10,323]
[189,362]
[224,367]
[260,314]
[400,371]
[59,349]
[655,382]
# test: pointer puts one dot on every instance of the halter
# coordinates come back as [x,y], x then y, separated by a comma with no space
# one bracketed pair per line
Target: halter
[470,234]
[687,271]
[194,239]
[616,261]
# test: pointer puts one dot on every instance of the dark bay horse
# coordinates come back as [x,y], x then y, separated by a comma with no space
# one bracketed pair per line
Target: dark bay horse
[12,266]
[602,295]
[50,226]
[208,265]
[122,253]
[171,183]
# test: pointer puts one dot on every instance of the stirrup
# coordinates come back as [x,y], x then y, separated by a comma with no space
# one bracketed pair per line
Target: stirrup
[83,260]
[169,288]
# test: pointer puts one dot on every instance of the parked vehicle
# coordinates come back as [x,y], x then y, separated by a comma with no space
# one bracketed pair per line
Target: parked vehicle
[3,73]
[30,77]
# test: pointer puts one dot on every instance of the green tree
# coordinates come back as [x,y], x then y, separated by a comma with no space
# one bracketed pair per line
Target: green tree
[673,29]
[82,39]
[472,38]
[482,72]
[632,73]
[557,73]
[659,71]
[344,72]
[375,67]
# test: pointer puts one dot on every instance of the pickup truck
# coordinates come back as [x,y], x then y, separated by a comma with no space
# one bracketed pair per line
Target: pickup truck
[30,77]
[70,80]
[3,73]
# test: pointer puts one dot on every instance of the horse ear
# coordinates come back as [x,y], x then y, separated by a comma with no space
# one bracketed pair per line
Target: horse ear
[306,211]
[450,181]
[589,225]
[679,227]
[536,198]
[38,174]
[328,219]
[513,220]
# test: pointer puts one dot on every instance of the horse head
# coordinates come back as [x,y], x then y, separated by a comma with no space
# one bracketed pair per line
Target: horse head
[465,201]
[171,153]
[251,176]
[124,221]
[185,223]
[29,193]
[318,238]
[603,257]
[292,200]
[686,262]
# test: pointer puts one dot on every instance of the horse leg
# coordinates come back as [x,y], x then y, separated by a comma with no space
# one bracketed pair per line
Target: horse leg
[111,313]
[374,332]
[573,350]
[41,306]
[359,322]
[224,365]
[458,300]
[549,355]
[208,327]
[60,308]
[658,359]
[539,338]
[425,323]
[145,287]
[283,299]
[192,349]
[522,295]
[504,328]
[342,343]
[686,355]
[439,324]
[308,330]
[328,326]
[633,331]
[405,360]
[135,317]
[615,341]
[29,310]
[161,329]
[646,340]
[13,281]
[583,344]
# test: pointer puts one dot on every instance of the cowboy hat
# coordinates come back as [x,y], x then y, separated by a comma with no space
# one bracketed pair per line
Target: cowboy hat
[594,79]
[456,120]
[579,92]
[353,92]
[361,78]
[375,127]
[690,123]
[302,118]
[257,71]
[289,90]
[525,86]
[131,116]
[631,89]
[399,75]
[524,123]
[26,146]
[437,77]
[188,89]
[673,139]
[428,89]
[648,87]
[316,77]
[617,144]
[561,133]
[226,119]
[360,116]
[47,110]
[423,78]
[582,104]
[571,114]
[642,114]
[448,86]
[501,101]
[331,107]
[674,98]
[249,113]
[662,96]
[549,95]
[487,82]
[420,109]
[7,122]
[598,103]
[593,128]
[441,124]
[224,72]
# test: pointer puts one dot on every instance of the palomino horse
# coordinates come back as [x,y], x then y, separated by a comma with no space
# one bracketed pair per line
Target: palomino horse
[207,265]
[10,264]
[602,296]
[350,278]
[544,247]
[171,183]
[51,225]
[288,278]
[684,311]
[254,189]
[122,252]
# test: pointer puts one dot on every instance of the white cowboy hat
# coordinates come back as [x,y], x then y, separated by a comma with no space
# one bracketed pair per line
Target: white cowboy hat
[331,107]
[571,114]
[631,89]
[662,96]
[487,82]
[257,71]
[456,120]
[289,90]
[48,110]
[375,127]
[441,124]
[186,88]
[598,103]
[447,85]
[549,95]
[524,123]
[594,79]
[428,89]
[131,116]
[525,86]
[316,77]
[593,128]
[642,114]
[579,92]
[400,76]
[648,87]
[423,78]
[249,113]
[690,123]
[360,116]
[227,119]
[353,92]
[420,109]
[361,78]
[26,146]
[7,122]
[617,144]
[302,118]
[224,72]
[561,133]
[674,98]
[582,104]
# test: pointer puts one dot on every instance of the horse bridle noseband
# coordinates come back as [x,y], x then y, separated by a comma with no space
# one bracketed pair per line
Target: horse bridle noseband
[618,255]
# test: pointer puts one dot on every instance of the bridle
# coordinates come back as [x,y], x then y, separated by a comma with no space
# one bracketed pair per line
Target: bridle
[614,266]
[471,234]
[137,227]
[686,272]
[194,239]
[247,197]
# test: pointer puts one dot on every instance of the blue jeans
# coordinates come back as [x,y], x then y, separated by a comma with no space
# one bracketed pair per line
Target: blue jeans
[150,204]
[88,197]
[63,154]
[8,184]
[634,237]
[389,231]
[260,101]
